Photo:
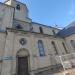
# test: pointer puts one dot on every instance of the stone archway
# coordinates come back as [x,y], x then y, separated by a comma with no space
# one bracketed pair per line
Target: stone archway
[22,62]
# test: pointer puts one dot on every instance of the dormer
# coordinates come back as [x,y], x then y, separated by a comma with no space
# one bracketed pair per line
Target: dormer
[21,10]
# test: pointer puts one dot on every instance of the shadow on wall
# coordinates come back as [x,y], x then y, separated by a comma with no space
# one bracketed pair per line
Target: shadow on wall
[54,69]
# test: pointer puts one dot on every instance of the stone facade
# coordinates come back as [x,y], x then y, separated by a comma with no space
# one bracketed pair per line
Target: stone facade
[19,38]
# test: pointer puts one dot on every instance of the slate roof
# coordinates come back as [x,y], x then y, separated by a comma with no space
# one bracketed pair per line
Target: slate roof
[67,31]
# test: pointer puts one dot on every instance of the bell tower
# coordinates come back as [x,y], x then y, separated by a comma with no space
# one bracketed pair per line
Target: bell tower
[9,2]
[21,10]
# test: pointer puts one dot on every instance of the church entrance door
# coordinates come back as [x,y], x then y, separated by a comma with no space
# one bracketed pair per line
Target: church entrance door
[23,65]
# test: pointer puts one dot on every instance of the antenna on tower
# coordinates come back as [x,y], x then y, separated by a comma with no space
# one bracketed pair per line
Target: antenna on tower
[28,2]
[55,25]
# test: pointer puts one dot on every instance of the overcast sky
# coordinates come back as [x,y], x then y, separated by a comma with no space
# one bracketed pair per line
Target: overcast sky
[51,12]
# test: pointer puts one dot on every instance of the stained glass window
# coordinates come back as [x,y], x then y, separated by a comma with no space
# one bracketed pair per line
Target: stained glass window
[41,48]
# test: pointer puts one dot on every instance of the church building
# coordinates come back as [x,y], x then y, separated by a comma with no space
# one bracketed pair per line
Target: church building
[30,48]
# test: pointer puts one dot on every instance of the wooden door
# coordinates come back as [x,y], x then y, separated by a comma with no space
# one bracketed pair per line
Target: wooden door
[22,66]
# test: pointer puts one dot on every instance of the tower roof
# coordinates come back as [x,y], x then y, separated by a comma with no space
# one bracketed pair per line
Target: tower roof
[8,0]
[67,31]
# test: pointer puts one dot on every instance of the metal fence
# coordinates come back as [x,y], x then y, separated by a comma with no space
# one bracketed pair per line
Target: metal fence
[67,60]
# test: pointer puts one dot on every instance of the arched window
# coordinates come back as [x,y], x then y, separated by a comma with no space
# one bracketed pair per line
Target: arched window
[41,30]
[18,26]
[65,47]
[53,32]
[31,28]
[54,46]
[18,7]
[73,43]
[41,48]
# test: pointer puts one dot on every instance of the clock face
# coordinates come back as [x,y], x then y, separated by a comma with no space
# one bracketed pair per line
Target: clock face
[23,41]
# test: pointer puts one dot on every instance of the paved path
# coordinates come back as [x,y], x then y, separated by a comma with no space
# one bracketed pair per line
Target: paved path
[70,72]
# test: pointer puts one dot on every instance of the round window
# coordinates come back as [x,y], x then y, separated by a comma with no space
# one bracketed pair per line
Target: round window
[23,41]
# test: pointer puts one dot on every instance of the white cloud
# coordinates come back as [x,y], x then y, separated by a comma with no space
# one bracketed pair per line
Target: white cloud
[72,9]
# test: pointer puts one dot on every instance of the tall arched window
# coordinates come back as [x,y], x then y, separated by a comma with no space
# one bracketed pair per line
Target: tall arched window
[65,47]
[73,43]
[54,46]
[41,48]
[41,30]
